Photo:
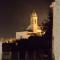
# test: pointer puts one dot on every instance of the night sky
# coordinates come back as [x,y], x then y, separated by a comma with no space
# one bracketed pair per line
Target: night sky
[15,15]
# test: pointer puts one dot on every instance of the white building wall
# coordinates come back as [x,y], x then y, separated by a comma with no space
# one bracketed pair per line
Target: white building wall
[0,50]
[56,30]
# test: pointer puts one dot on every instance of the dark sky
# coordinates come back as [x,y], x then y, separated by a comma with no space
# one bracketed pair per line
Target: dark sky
[15,15]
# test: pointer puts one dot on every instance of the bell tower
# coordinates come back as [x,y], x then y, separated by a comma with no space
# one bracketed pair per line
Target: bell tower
[34,19]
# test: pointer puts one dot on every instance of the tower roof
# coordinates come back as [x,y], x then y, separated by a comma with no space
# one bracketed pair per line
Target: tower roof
[34,13]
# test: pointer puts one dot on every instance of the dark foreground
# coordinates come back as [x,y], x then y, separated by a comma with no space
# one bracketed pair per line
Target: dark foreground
[35,48]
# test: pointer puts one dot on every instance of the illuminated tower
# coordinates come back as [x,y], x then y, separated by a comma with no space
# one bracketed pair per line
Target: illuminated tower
[34,21]
[32,29]
[36,29]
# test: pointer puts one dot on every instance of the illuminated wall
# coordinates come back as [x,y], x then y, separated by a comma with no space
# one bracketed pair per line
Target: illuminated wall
[56,30]
[0,50]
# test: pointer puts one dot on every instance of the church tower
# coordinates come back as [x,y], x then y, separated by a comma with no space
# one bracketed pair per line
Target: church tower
[34,19]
